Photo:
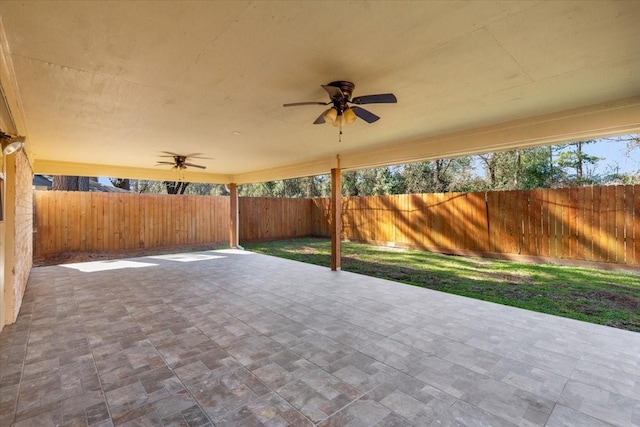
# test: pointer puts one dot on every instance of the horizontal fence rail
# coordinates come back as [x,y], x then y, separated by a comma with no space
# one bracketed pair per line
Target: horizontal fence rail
[600,224]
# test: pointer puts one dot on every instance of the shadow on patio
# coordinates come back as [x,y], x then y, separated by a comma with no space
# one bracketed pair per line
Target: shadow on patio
[235,338]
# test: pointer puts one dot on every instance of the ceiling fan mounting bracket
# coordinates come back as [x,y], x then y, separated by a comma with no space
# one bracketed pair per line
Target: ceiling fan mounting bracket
[346,88]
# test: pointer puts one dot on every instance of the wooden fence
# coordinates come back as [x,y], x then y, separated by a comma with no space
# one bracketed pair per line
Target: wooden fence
[587,224]
[119,222]
[264,219]
[599,224]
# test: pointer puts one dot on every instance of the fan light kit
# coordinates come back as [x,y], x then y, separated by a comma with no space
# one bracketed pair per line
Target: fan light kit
[341,112]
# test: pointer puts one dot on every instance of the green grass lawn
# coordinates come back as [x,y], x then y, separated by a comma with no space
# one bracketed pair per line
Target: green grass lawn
[598,296]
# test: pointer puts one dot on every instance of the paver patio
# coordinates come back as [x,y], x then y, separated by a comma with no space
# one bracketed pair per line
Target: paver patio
[232,338]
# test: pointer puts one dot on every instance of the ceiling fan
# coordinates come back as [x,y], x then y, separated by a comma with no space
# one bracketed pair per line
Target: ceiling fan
[180,160]
[341,111]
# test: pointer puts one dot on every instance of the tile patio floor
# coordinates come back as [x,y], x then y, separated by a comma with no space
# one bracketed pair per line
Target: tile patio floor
[228,338]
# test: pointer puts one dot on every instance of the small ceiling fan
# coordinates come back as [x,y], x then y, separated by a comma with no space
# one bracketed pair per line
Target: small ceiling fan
[180,160]
[341,111]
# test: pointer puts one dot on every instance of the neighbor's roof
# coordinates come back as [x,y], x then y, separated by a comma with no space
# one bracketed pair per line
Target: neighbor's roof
[42,181]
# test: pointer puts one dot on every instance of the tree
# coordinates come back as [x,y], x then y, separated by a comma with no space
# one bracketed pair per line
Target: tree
[123,183]
[377,181]
[437,176]
[176,187]
[520,169]
[573,157]
[350,184]
[502,169]
[416,177]
[200,189]
[538,171]
[70,183]
[146,186]
[312,186]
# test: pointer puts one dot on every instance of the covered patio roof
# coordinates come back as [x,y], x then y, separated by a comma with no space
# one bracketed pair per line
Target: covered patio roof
[235,338]
[101,88]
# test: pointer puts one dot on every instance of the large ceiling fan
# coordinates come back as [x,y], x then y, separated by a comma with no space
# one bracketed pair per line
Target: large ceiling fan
[180,160]
[341,110]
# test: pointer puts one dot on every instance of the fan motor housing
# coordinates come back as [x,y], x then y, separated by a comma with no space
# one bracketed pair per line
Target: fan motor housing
[345,86]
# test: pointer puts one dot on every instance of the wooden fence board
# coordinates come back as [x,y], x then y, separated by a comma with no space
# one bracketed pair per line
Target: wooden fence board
[579,223]
[599,239]
[610,223]
[589,228]
[565,206]
[621,222]
[619,219]
[628,224]
[529,240]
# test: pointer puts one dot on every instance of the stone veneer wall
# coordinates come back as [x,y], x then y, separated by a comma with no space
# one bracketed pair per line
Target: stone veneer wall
[23,238]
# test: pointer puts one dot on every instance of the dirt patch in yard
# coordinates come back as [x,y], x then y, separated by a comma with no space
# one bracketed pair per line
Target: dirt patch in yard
[616,300]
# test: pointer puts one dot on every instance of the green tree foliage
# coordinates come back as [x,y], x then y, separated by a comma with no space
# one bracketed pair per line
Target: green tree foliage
[176,187]
[580,164]
[538,167]
[437,176]
[123,183]
[521,170]
[313,186]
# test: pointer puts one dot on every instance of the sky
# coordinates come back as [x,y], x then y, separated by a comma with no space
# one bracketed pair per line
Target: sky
[614,153]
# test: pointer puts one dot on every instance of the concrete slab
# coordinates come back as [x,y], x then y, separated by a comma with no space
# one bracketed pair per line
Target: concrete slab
[234,338]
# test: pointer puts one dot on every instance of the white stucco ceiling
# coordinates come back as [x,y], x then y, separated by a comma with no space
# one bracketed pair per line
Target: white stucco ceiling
[111,84]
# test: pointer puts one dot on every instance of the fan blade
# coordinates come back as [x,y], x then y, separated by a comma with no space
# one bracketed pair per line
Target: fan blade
[365,115]
[195,166]
[382,98]
[295,104]
[320,119]
[193,155]
[165,163]
[334,92]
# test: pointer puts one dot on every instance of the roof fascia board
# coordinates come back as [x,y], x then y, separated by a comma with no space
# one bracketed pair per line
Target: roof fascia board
[316,167]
